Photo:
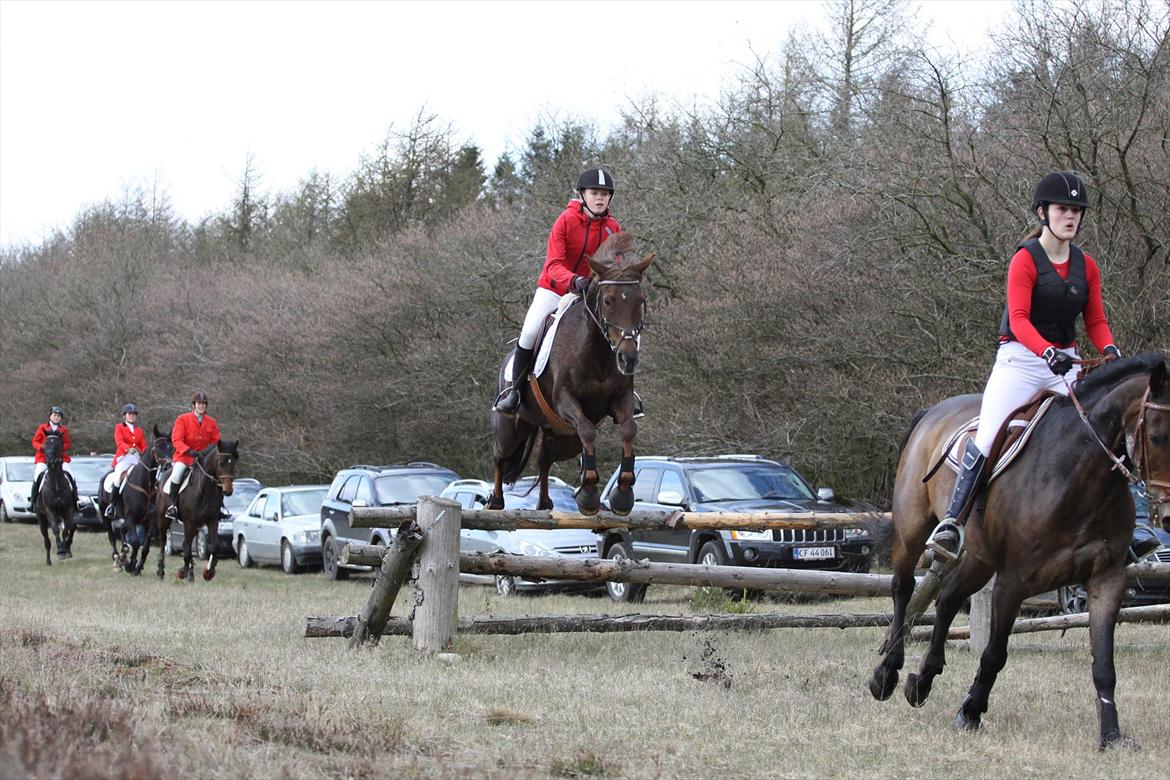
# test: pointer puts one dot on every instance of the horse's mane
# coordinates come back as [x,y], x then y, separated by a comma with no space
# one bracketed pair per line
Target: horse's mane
[614,247]
[1098,382]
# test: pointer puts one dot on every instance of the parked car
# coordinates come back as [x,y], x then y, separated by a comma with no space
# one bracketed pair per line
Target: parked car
[282,525]
[244,489]
[1150,543]
[524,494]
[364,485]
[16,473]
[730,483]
[88,471]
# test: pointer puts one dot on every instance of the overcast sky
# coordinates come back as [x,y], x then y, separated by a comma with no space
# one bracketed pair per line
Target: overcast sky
[97,97]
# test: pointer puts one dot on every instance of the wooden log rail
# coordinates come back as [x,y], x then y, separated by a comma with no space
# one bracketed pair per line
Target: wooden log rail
[513,519]
[645,572]
[1153,613]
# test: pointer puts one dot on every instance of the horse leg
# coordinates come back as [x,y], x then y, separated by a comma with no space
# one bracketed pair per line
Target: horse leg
[44,523]
[1005,605]
[163,527]
[885,675]
[968,578]
[188,571]
[1105,594]
[545,501]
[212,550]
[70,530]
[588,495]
[496,500]
[621,501]
[57,535]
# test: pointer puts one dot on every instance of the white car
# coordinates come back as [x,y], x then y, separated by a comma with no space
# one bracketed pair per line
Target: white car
[282,525]
[16,473]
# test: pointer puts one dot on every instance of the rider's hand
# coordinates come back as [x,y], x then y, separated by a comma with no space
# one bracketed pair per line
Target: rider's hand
[192,453]
[579,285]
[1110,352]
[1058,362]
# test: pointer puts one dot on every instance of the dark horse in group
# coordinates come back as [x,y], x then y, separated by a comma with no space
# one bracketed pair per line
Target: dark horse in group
[208,480]
[1061,513]
[590,376]
[56,501]
[136,499]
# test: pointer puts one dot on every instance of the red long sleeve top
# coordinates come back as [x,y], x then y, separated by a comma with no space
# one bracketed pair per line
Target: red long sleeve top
[1020,281]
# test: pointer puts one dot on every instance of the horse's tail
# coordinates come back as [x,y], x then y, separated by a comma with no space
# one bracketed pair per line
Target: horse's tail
[512,466]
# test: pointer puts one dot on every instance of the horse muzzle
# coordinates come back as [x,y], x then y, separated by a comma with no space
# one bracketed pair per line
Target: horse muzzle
[226,484]
[627,361]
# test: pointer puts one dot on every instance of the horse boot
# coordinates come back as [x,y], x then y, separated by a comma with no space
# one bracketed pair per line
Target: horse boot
[508,402]
[946,541]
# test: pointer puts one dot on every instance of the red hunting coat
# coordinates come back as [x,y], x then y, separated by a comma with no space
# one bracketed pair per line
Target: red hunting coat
[191,433]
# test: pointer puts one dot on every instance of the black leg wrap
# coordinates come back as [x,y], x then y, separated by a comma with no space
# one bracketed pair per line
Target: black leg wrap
[588,462]
[628,465]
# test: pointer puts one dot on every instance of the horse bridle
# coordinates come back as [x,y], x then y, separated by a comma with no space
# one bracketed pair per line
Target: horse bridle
[628,334]
[218,480]
[1139,453]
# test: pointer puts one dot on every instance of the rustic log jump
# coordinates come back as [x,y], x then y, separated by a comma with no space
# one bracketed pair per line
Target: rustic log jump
[1154,613]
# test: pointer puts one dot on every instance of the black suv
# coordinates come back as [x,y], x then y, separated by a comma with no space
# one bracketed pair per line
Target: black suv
[730,483]
[372,486]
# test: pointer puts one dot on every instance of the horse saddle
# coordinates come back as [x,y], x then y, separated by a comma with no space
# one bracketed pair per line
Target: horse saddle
[545,336]
[1010,440]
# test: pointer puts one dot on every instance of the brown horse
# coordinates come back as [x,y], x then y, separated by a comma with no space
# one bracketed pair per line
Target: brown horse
[590,376]
[1062,513]
[136,506]
[55,501]
[210,479]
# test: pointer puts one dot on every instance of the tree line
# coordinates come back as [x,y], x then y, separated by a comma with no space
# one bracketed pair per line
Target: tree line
[832,235]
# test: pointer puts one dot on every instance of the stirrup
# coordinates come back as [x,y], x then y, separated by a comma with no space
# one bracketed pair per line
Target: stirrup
[172,512]
[501,397]
[639,407]
[940,550]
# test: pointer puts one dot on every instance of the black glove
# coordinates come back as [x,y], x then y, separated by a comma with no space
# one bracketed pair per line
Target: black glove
[1110,352]
[579,285]
[1058,362]
[192,453]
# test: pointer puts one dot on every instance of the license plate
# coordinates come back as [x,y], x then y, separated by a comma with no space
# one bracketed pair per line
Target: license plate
[814,553]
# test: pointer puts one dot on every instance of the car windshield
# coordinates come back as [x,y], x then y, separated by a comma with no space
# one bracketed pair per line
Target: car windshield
[748,482]
[302,502]
[88,470]
[406,488]
[18,472]
[242,495]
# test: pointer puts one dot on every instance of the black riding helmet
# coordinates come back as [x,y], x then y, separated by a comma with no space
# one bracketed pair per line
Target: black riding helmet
[595,179]
[1063,187]
[57,410]
[128,408]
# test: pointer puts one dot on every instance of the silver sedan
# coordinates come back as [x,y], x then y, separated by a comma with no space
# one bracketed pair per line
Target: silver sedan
[282,525]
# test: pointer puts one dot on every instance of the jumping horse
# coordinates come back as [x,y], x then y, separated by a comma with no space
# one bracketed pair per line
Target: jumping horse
[137,505]
[55,501]
[210,479]
[1061,513]
[590,376]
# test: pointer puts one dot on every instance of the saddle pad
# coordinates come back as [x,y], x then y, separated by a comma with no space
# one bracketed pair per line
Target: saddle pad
[545,346]
[1013,437]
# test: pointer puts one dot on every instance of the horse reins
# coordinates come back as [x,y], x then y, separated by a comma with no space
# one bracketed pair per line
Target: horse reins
[217,480]
[628,334]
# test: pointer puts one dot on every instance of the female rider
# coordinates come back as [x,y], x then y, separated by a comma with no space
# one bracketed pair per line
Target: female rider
[129,444]
[53,427]
[1051,281]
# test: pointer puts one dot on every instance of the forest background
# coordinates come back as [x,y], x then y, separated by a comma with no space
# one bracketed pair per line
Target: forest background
[832,239]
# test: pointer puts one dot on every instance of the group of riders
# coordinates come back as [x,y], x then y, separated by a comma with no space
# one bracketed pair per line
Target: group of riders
[191,433]
[1051,282]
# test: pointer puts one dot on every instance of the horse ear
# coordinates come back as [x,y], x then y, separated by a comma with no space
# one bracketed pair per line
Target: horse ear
[156,433]
[641,266]
[1158,377]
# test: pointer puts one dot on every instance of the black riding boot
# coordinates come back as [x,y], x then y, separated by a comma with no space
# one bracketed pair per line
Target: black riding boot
[509,400]
[947,538]
[36,489]
[111,511]
[172,512]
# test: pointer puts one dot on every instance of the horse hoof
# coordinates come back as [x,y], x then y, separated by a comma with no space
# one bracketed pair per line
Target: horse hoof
[622,501]
[208,575]
[883,683]
[963,723]
[588,501]
[495,503]
[1118,742]
[916,690]
[135,572]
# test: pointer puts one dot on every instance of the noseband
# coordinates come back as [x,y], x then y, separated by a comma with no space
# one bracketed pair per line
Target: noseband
[604,325]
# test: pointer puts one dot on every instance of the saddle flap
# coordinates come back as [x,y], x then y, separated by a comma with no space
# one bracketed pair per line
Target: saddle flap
[1009,442]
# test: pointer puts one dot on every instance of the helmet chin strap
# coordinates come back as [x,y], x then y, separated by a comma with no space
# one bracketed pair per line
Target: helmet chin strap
[592,213]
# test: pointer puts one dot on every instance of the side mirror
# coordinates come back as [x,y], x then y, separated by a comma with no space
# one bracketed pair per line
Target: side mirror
[825,494]
[671,498]
[271,516]
[359,502]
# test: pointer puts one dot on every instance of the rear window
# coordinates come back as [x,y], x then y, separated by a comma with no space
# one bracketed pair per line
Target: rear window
[748,482]
[406,488]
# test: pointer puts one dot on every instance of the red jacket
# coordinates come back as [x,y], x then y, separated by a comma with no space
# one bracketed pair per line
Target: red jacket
[124,439]
[1022,278]
[39,442]
[191,434]
[574,235]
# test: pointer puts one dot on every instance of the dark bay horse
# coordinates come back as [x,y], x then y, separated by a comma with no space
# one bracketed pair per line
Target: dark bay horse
[1062,513]
[55,501]
[137,498]
[590,376]
[210,479]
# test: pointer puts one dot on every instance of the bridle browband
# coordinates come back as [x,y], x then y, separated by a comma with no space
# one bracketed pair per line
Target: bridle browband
[604,325]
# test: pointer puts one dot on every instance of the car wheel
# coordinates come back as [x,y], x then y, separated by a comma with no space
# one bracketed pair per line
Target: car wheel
[505,585]
[1072,599]
[288,561]
[201,545]
[332,569]
[623,592]
[4,516]
[242,553]
[712,554]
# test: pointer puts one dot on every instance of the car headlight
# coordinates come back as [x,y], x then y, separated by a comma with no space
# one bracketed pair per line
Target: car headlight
[764,535]
[531,548]
[855,533]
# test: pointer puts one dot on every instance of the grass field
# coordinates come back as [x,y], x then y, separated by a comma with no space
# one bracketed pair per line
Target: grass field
[103,675]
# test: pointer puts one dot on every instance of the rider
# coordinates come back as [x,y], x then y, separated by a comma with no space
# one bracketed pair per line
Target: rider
[579,231]
[129,443]
[1050,282]
[192,432]
[53,427]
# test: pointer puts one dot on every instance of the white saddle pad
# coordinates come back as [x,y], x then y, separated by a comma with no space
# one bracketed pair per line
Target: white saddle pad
[567,300]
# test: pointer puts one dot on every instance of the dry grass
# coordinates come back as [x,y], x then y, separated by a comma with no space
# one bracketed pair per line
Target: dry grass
[105,675]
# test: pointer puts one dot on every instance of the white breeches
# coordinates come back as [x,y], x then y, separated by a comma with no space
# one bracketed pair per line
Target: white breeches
[177,474]
[39,469]
[125,463]
[1017,376]
[543,304]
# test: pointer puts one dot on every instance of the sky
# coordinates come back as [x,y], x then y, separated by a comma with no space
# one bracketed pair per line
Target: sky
[98,98]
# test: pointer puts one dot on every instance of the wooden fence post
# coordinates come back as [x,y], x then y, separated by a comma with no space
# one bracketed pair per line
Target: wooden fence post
[980,618]
[393,569]
[436,612]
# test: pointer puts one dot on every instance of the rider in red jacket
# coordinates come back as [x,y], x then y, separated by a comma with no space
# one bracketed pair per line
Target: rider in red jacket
[194,431]
[129,444]
[578,231]
[53,427]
